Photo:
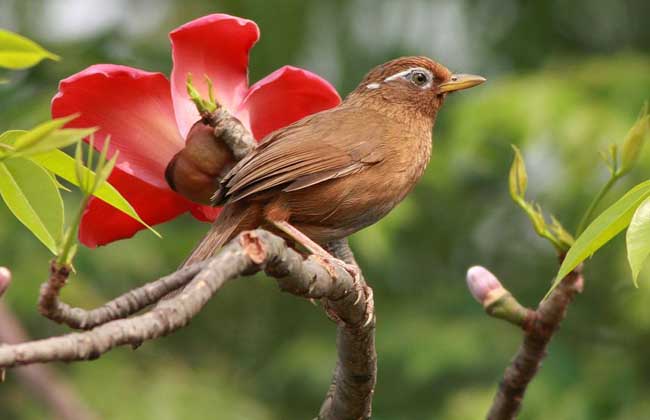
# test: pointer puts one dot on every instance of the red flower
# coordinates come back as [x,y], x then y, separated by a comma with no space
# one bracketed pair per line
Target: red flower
[148,117]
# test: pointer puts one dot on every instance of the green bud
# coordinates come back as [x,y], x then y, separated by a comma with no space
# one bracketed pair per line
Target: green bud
[202,105]
[537,218]
[564,237]
[634,140]
[518,179]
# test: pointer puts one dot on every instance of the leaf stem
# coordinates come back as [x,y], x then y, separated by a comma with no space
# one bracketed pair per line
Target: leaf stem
[594,203]
[68,246]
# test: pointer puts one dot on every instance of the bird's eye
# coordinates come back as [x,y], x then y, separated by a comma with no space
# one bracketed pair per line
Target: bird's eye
[419,78]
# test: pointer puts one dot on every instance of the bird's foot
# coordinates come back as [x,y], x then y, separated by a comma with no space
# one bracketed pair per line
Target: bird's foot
[330,263]
[369,310]
[362,290]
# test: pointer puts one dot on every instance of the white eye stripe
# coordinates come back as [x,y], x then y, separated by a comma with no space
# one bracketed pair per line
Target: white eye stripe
[404,73]
[372,86]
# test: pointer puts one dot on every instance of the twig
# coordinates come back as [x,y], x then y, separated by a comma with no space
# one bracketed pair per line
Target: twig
[231,131]
[586,218]
[539,327]
[123,306]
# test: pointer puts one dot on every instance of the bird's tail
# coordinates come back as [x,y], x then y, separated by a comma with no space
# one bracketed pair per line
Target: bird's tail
[232,220]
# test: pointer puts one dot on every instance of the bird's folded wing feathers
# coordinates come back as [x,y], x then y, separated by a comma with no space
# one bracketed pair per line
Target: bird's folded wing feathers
[306,153]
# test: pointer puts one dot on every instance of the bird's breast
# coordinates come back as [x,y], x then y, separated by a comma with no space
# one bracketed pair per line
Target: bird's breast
[342,206]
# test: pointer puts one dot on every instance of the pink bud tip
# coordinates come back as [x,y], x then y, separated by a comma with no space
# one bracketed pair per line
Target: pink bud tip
[5,279]
[481,282]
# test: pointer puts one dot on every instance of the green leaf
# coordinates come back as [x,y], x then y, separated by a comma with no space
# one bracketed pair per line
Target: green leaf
[33,197]
[518,179]
[18,52]
[104,170]
[56,140]
[41,139]
[81,176]
[7,139]
[638,239]
[63,165]
[38,134]
[607,225]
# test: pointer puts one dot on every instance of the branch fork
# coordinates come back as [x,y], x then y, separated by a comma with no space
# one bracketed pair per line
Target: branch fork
[114,324]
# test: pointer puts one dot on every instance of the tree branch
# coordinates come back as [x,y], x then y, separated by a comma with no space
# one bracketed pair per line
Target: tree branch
[123,306]
[355,374]
[539,326]
[249,253]
[231,131]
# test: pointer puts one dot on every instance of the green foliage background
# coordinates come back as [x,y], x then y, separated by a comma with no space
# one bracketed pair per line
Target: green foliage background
[565,80]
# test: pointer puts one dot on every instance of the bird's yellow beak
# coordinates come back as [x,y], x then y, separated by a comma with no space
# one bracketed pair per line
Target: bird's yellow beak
[460,82]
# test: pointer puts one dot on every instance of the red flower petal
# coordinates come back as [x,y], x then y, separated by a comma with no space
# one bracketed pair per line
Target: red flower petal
[205,213]
[217,46]
[283,97]
[102,223]
[132,106]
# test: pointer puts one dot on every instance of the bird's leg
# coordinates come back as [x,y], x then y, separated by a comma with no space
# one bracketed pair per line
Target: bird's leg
[316,250]
[301,238]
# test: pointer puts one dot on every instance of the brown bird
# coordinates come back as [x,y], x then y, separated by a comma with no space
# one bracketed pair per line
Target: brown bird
[333,173]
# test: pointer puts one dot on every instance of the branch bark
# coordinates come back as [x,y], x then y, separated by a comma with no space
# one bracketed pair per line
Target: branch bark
[355,374]
[539,328]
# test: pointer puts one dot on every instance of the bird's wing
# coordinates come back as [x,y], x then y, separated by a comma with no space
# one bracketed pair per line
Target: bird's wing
[323,146]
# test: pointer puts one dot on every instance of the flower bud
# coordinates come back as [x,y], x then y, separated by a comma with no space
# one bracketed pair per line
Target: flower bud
[5,279]
[483,285]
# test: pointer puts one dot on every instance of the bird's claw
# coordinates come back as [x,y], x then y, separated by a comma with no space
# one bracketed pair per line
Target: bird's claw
[369,310]
[362,290]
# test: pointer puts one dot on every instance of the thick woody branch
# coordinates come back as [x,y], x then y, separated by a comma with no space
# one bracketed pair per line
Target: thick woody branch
[123,306]
[355,374]
[250,252]
[539,327]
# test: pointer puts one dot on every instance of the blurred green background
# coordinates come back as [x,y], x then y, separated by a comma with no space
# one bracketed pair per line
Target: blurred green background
[566,78]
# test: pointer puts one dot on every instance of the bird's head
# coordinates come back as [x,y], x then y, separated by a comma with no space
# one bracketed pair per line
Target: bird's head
[416,84]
